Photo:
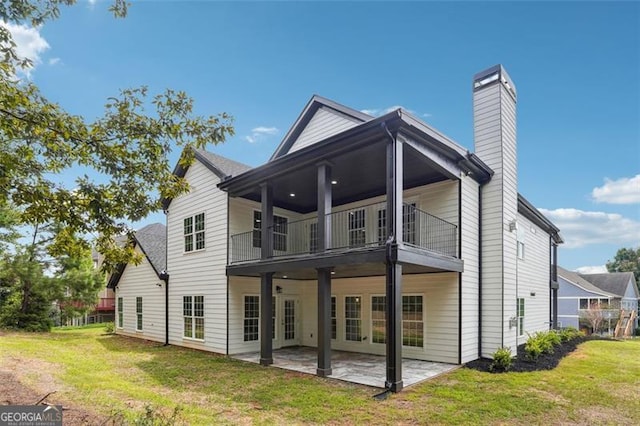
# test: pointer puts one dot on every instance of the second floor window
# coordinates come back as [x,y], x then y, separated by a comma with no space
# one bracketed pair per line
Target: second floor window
[194,233]
[280,225]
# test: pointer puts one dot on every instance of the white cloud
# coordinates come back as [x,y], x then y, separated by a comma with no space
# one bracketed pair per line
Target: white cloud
[621,191]
[54,61]
[29,43]
[592,269]
[581,228]
[259,133]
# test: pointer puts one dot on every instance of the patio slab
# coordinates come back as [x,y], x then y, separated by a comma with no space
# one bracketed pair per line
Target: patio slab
[364,369]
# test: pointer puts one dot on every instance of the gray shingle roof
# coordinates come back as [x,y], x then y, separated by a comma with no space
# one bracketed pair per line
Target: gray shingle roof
[576,278]
[613,282]
[152,240]
[225,165]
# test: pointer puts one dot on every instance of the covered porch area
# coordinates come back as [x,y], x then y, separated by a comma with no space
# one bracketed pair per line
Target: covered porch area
[360,368]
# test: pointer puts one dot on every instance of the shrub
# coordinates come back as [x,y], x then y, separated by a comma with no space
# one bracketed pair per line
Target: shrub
[569,333]
[109,328]
[638,331]
[502,360]
[533,349]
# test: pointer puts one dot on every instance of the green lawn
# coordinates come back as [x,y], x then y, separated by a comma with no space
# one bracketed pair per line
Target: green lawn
[597,384]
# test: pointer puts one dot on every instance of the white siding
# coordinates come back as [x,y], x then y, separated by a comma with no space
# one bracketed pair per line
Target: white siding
[199,273]
[141,281]
[495,141]
[470,276]
[325,122]
[440,307]
[533,277]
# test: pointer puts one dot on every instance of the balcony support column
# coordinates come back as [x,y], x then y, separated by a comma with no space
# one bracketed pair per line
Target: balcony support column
[266,279]
[324,322]
[324,206]
[393,285]
[266,224]
[266,309]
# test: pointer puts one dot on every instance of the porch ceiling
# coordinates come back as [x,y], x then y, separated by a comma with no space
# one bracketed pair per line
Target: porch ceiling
[359,174]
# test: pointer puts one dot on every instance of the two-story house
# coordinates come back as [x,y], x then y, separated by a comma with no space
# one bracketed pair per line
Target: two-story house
[364,234]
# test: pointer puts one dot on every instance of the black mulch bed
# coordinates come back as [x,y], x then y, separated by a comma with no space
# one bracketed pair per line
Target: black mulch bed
[544,362]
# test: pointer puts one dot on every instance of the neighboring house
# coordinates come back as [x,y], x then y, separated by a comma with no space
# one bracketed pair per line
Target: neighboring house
[622,284]
[610,292]
[376,235]
[576,295]
[140,290]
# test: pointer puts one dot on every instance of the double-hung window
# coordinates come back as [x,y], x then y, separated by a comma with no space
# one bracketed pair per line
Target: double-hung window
[194,232]
[251,318]
[413,321]
[139,313]
[120,312]
[520,315]
[193,314]
[353,318]
[378,319]
[357,230]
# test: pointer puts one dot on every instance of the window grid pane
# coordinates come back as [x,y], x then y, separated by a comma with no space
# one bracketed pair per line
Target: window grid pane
[412,321]
[120,313]
[357,233]
[353,323]
[382,226]
[334,322]
[251,317]
[138,313]
[378,319]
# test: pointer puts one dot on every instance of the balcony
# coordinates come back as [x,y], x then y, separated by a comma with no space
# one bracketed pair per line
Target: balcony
[106,304]
[356,229]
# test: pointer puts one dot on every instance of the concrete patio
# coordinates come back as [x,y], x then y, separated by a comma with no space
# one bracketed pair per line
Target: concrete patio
[364,369]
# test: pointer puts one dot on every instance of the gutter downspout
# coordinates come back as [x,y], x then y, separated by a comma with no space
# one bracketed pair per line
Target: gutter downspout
[480,271]
[165,277]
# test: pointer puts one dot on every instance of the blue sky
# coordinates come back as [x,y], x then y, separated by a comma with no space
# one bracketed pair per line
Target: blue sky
[576,66]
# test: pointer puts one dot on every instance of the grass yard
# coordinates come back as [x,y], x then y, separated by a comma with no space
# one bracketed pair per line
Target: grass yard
[599,383]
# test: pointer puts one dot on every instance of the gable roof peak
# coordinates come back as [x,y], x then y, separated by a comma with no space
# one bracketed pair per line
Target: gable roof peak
[314,104]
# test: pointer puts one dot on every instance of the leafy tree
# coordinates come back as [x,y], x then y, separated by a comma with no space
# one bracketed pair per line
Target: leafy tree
[626,260]
[76,285]
[125,151]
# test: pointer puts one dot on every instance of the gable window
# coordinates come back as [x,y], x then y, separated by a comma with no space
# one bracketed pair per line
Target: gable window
[352,318]
[520,315]
[120,313]
[194,232]
[280,225]
[378,319]
[193,314]
[334,321]
[357,232]
[139,313]
[412,321]
[251,318]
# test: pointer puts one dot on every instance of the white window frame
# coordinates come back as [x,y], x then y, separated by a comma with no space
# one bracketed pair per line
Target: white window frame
[192,317]
[384,319]
[347,318]
[120,319]
[521,310]
[195,236]
[139,318]
[414,321]
[248,337]
[357,236]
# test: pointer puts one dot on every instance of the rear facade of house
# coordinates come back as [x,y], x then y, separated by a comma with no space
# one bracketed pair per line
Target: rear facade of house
[376,235]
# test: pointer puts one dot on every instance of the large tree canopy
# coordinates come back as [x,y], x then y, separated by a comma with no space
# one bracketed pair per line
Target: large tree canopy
[123,155]
[626,260]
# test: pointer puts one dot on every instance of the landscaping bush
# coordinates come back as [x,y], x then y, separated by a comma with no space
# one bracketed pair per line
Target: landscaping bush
[533,349]
[543,343]
[109,328]
[569,333]
[502,360]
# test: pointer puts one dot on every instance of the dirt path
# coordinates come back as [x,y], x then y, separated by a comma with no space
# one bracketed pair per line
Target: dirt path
[14,391]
